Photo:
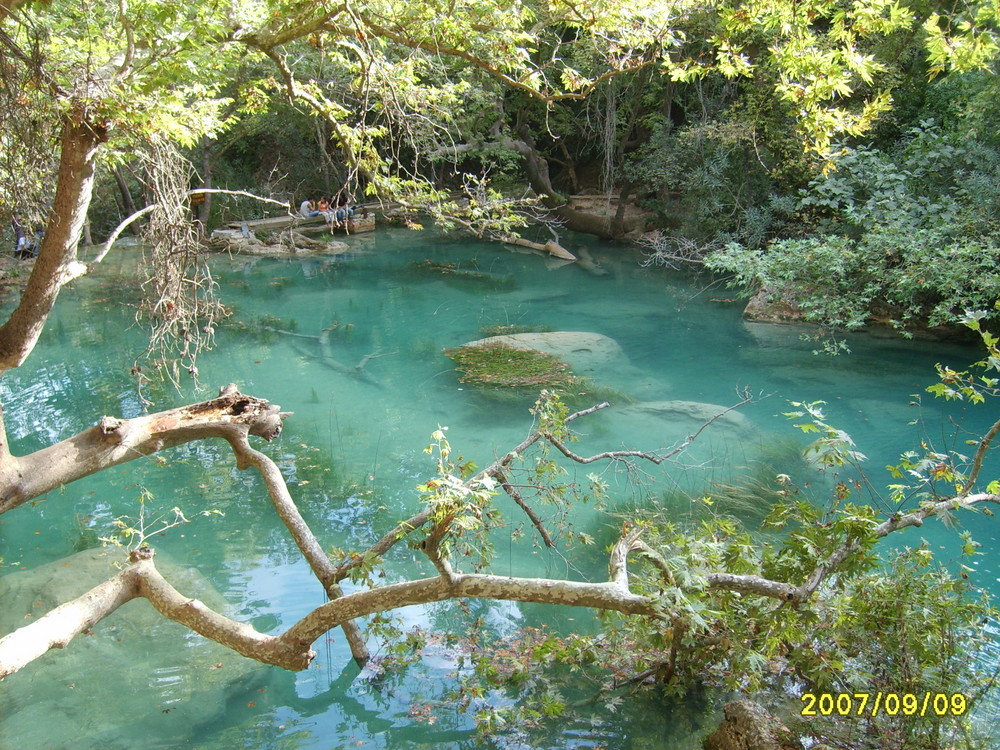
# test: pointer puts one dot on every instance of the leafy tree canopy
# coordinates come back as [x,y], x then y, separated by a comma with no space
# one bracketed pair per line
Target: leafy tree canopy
[145,67]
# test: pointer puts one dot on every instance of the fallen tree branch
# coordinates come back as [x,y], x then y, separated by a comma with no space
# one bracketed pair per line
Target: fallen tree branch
[240,637]
[552,247]
[788,592]
[399,532]
[896,522]
[495,470]
[605,596]
[232,416]
[56,628]
[141,579]
[292,650]
[305,540]
[656,458]
[114,441]
[977,461]
[518,498]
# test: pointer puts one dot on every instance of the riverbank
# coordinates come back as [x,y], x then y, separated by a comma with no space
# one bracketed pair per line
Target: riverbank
[13,273]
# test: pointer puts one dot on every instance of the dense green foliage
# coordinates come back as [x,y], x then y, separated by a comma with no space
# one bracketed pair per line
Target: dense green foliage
[713,116]
[908,235]
[879,623]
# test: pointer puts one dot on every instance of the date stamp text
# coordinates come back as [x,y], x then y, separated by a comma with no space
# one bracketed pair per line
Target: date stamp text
[882,703]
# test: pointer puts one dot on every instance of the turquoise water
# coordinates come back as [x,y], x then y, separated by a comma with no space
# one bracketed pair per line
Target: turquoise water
[353,453]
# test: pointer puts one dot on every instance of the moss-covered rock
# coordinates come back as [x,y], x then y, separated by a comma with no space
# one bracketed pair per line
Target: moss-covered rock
[496,364]
[584,351]
[501,371]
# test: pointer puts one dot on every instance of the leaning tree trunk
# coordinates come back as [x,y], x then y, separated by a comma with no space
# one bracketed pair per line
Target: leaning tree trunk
[56,263]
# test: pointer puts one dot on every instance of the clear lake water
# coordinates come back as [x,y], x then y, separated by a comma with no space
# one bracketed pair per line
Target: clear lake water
[353,455]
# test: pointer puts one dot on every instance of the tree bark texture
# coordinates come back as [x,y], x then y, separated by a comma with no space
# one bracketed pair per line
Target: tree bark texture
[140,579]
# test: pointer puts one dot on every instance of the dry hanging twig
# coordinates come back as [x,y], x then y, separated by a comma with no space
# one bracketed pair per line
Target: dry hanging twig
[179,303]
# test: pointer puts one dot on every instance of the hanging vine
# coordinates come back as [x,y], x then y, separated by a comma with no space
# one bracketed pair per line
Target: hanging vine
[178,304]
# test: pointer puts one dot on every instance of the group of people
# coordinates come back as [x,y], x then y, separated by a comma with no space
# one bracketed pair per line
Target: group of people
[335,213]
[26,243]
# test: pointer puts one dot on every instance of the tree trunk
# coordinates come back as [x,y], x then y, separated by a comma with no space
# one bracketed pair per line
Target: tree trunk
[574,181]
[56,263]
[537,169]
[128,203]
[618,222]
[205,209]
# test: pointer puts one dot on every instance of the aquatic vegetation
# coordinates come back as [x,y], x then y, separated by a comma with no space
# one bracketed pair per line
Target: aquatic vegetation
[116,289]
[263,328]
[745,490]
[84,533]
[454,274]
[497,365]
[505,373]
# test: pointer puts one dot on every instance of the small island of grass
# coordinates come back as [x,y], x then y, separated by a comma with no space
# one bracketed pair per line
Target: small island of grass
[500,371]
[500,366]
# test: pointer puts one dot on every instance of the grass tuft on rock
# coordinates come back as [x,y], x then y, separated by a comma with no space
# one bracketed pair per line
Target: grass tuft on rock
[500,366]
[504,373]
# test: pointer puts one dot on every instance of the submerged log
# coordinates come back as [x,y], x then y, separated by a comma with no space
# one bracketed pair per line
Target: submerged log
[551,247]
[325,355]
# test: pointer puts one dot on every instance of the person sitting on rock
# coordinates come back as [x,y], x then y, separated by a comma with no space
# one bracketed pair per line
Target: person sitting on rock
[323,206]
[308,209]
[343,211]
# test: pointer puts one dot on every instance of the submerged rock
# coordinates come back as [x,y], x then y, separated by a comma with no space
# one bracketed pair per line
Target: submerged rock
[582,350]
[132,667]
[692,412]
[286,243]
[796,337]
[748,726]
[773,306]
